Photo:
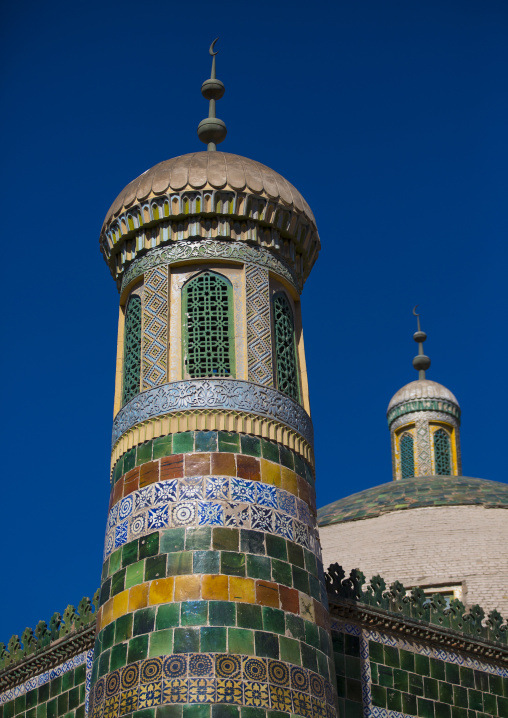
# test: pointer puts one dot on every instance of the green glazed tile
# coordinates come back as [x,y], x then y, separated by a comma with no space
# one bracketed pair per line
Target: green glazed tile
[129,460]
[196,711]
[73,698]
[452,673]
[376,652]
[502,706]
[270,450]
[475,699]
[273,620]
[186,640]
[495,682]
[241,640]
[162,446]
[460,696]
[393,699]
[183,443]
[205,441]
[425,708]
[206,562]
[229,442]
[250,445]
[168,616]
[481,681]
[138,649]
[118,582]
[123,628]
[338,642]
[42,694]
[145,713]
[259,567]
[290,650]
[253,713]
[430,688]
[63,703]
[392,657]
[252,541]
[232,564]
[144,453]
[179,564]
[31,698]
[385,676]
[134,574]
[300,579]
[68,679]
[459,712]
[103,666]
[249,616]
[222,613]
[415,684]
[161,643]
[225,539]
[169,711]
[311,634]
[373,672]
[108,638]
[352,645]
[353,710]
[130,553]
[409,704]
[437,669]
[198,539]
[442,710]
[267,645]
[276,547]
[379,696]
[149,545]
[144,621]
[118,470]
[172,540]
[225,711]
[155,566]
[118,656]
[115,561]
[295,627]
[286,457]
[213,639]
[41,711]
[310,562]
[194,613]
[105,592]
[400,680]
[309,659]
[281,572]
[52,711]
[295,554]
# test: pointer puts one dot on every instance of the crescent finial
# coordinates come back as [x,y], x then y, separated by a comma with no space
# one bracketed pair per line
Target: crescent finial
[414,310]
[212,53]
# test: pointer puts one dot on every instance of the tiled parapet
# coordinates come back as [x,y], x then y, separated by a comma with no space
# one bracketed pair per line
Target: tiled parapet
[212,551]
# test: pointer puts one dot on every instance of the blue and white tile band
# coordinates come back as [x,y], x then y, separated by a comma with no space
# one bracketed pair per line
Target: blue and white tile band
[211,501]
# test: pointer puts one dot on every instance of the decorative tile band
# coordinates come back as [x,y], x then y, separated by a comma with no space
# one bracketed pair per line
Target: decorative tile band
[213,394]
[155,328]
[209,249]
[213,678]
[259,332]
[212,501]
[83,658]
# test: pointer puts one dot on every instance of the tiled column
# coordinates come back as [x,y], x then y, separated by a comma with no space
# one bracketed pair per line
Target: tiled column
[213,602]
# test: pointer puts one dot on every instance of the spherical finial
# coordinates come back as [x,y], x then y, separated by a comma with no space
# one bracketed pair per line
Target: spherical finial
[211,131]
[421,362]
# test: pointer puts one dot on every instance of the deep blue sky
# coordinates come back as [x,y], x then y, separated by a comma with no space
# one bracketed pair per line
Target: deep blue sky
[390,117]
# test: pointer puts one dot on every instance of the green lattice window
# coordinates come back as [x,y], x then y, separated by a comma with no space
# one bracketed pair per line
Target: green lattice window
[442,455]
[285,347]
[132,349]
[407,456]
[208,326]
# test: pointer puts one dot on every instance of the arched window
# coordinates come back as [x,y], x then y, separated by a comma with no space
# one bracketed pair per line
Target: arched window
[285,350]
[442,458]
[208,326]
[132,349]
[407,456]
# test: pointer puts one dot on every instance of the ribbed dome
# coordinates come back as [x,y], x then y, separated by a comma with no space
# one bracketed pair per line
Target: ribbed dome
[216,170]
[422,389]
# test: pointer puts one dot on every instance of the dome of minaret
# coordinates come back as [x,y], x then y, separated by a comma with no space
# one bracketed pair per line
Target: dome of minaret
[422,390]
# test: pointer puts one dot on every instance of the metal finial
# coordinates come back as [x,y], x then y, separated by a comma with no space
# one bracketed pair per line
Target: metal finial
[212,130]
[421,362]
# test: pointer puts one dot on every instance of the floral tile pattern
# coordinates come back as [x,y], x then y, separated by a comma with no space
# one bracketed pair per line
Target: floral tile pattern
[212,501]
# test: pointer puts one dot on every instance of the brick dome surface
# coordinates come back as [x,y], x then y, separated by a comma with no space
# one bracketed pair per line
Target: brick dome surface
[415,493]
[422,389]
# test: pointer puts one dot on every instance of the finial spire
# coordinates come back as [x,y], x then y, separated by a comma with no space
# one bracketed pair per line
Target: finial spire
[421,362]
[211,131]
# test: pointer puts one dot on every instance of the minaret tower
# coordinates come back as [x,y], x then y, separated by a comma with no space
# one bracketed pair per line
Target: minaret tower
[213,602]
[424,420]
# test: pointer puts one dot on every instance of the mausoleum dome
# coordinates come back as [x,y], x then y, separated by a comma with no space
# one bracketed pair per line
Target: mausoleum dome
[204,195]
[421,389]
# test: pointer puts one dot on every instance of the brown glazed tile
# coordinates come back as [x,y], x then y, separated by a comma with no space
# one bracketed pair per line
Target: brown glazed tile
[224,464]
[197,464]
[321,615]
[289,599]
[267,593]
[312,500]
[148,473]
[116,494]
[303,490]
[248,467]
[171,467]
[131,481]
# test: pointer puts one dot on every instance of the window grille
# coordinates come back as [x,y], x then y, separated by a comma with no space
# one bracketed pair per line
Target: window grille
[442,459]
[208,327]
[407,456]
[132,349]
[285,352]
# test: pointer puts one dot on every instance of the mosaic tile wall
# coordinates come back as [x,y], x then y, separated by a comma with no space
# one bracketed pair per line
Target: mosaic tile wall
[390,677]
[61,691]
[212,599]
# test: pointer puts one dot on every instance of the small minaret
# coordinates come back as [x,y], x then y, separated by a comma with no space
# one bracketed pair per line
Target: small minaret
[213,601]
[424,420]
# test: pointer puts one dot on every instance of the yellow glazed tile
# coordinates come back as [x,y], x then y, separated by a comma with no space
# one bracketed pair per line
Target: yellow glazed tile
[242,589]
[270,473]
[289,480]
[161,591]
[215,587]
[138,596]
[107,612]
[120,604]
[187,588]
